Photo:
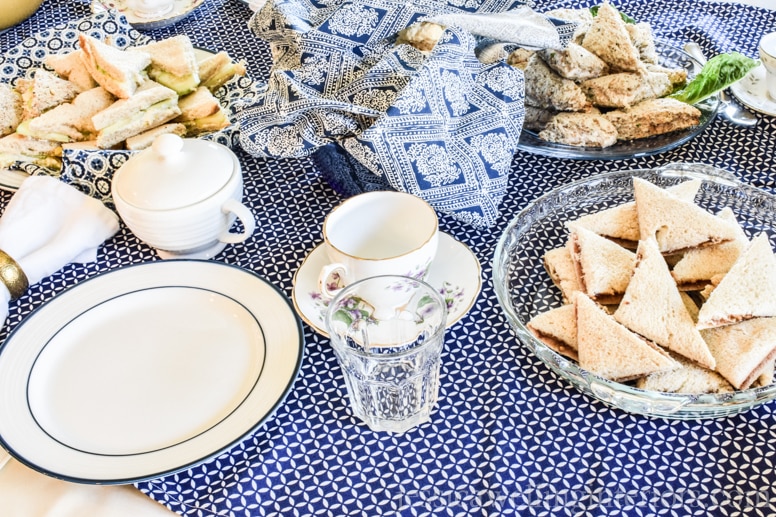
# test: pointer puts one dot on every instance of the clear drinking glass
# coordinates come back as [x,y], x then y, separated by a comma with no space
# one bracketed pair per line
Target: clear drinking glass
[389,353]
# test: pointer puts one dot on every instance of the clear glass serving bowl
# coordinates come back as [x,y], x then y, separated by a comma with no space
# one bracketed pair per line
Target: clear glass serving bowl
[524,288]
[670,57]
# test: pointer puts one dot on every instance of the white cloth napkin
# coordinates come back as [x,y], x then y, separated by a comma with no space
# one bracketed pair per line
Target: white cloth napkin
[522,26]
[48,224]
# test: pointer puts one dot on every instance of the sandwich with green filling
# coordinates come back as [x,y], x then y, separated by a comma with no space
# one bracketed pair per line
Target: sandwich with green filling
[215,70]
[10,109]
[201,112]
[42,91]
[70,121]
[173,63]
[151,106]
[70,66]
[120,72]
[15,148]
[145,139]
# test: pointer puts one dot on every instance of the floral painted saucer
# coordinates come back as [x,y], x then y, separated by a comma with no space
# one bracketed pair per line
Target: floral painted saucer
[751,91]
[455,272]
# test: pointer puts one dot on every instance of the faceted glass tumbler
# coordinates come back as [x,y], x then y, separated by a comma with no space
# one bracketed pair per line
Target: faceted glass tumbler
[387,333]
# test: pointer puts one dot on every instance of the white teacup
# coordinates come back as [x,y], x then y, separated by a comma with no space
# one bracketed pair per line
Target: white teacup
[768,57]
[378,233]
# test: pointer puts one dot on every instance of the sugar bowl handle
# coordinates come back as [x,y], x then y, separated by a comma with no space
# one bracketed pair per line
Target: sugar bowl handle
[246,218]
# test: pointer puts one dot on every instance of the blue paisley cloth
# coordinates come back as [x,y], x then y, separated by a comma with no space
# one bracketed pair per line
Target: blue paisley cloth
[443,127]
[508,437]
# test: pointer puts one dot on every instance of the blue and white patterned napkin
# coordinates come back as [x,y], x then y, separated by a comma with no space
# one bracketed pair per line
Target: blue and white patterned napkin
[376,115]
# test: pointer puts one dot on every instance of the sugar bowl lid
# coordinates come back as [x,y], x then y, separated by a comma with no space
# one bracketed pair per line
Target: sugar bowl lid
[173,173]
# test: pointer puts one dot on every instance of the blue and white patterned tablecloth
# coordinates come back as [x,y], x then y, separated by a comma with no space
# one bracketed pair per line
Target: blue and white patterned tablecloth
[508,437]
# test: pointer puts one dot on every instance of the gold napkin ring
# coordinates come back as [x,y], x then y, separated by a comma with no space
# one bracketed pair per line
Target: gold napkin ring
[12,276]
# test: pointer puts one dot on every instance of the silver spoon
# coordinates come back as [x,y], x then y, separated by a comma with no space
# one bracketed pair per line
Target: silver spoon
[730,110]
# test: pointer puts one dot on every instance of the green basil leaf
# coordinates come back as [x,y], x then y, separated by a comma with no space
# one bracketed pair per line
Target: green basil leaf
[717,74]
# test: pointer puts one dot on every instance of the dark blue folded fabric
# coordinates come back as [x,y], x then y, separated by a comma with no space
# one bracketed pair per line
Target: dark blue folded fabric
[443,126]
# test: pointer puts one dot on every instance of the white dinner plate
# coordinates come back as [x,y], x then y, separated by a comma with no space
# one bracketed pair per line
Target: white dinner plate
[752,93]
[455,273]
[146,370]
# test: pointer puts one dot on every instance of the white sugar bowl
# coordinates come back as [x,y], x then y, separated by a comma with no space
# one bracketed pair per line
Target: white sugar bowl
[182,196]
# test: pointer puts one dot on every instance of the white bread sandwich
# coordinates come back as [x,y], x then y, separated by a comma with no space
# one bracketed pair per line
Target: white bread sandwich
[557,328]
[217,69]
[603,267]
[690,305]
[10,109]
[145,139]
[70,66]
[766,376]
[653,308]
[151,106]
[690,378]
[201,112]
[43,91]
[71,121]
[607,348]
[562,272]
[173,63]
[621,223]
[120,72]
[743,350]
[746,291]
[19,148]
[676,224]
[700,267]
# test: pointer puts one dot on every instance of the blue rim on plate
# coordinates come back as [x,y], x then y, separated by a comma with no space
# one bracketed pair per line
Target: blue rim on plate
[146,370]
[671,57]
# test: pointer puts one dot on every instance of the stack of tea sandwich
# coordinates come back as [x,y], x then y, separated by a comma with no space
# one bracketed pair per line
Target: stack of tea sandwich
[102,97]
[663,293]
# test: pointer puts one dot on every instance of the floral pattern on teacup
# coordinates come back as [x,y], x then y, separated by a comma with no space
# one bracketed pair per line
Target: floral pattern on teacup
[356,308]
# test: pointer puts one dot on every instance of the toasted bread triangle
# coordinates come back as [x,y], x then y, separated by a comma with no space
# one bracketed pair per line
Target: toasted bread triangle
[701,266]
[561,269]
[690,378]
[610,350]
[677,224]
[746,291]
[621,222]
[603,267]
[653,308]
[743,350]
[557,328]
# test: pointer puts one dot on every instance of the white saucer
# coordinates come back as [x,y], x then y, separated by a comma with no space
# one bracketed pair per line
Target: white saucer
[179,10]
[456,272]
[752,93]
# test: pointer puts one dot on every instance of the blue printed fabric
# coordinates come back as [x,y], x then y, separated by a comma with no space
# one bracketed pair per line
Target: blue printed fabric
[442,126]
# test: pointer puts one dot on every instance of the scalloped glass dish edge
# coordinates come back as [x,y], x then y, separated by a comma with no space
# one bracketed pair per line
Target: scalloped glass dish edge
[531,143]
[615,394]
